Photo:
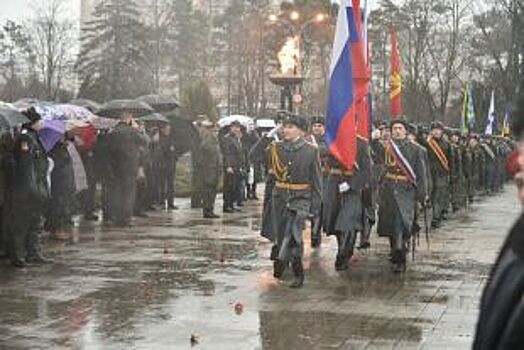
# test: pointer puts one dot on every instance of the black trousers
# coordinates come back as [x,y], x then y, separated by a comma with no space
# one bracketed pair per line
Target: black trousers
[24,231]
[122,197]
[231,188]
[208,193]
[87,197]
[167,182]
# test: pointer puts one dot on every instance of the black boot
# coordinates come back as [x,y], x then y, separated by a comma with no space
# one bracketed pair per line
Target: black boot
[38,259]
[341,263]
[315,241]
[298,271]
[18,263]
[274,253]
[278,268]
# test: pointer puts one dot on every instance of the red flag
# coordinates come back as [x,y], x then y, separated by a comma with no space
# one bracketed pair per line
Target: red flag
[360,74]
[395,83]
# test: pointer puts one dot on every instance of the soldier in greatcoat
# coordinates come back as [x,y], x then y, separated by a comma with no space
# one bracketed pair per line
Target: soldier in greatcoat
[296,195]
[343,207]
[439,162]
[403,185]
[318,130]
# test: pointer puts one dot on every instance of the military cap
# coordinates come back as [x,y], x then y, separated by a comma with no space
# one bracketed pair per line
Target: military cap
[455,132]
[281,115]
[317,120]
[413,129]
[401,120]
[296,120]
[437,125]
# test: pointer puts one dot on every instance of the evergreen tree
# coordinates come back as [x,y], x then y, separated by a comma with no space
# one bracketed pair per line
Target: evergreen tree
[112,63]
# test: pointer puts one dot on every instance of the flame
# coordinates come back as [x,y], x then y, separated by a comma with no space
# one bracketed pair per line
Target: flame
[289,57]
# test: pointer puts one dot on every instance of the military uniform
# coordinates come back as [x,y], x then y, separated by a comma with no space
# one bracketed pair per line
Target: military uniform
[211,167]
[399,195]
[31,195]
[342,201]
[439,162]
[490,159]
[457,178]
[296,197]
[318,224]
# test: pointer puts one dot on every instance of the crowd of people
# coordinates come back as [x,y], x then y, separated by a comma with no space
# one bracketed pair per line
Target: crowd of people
[402,174]
[405,178]
[131,163]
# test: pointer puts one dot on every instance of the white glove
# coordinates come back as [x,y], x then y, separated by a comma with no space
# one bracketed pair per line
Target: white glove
[273,131]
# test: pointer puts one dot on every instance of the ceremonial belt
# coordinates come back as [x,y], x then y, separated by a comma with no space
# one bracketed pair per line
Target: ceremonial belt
[439,153]
[292,187]
[341,172]
[396,177]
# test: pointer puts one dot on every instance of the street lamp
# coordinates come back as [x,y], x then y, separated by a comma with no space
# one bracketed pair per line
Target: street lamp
[289,76]
[294,16]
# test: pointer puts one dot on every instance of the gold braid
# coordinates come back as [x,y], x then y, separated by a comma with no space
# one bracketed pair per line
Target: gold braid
[279,168]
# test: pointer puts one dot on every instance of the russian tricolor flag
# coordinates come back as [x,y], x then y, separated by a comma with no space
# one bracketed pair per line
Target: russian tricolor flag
[341,135]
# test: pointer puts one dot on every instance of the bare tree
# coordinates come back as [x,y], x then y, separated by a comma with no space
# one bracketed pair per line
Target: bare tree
[52,36]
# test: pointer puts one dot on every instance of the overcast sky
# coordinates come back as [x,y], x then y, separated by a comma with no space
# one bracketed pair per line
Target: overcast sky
[20,9]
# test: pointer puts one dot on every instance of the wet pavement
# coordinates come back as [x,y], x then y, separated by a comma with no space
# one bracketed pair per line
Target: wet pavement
[176,281]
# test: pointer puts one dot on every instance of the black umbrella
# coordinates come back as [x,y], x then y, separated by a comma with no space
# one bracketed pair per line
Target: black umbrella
[187,137]
[154,118]
[115,108]
[89,104]
[10,118]
[160,103]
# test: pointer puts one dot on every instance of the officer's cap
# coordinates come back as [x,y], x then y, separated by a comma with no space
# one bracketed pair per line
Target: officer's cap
[298,121]
[437,125]
[401,120]
[413,129]
[317,120]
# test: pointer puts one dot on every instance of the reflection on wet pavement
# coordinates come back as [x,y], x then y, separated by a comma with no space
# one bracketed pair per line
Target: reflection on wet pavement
[176,281]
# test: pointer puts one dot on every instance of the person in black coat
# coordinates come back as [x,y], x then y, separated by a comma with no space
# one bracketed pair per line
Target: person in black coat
[30,194]
[233,163]
[167,165]
[123,147]
[62,190]
[501,318]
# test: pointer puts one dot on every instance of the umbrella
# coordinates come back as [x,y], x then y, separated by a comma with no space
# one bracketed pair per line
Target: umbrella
[160,103]
[155,118]
[10,118]
[245,121]
[73,112]
[101,123]
[7,105]
[51,132]
[113,109]
[89,104]
[265,123]
[187,137]
[26,103]
[51,113]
